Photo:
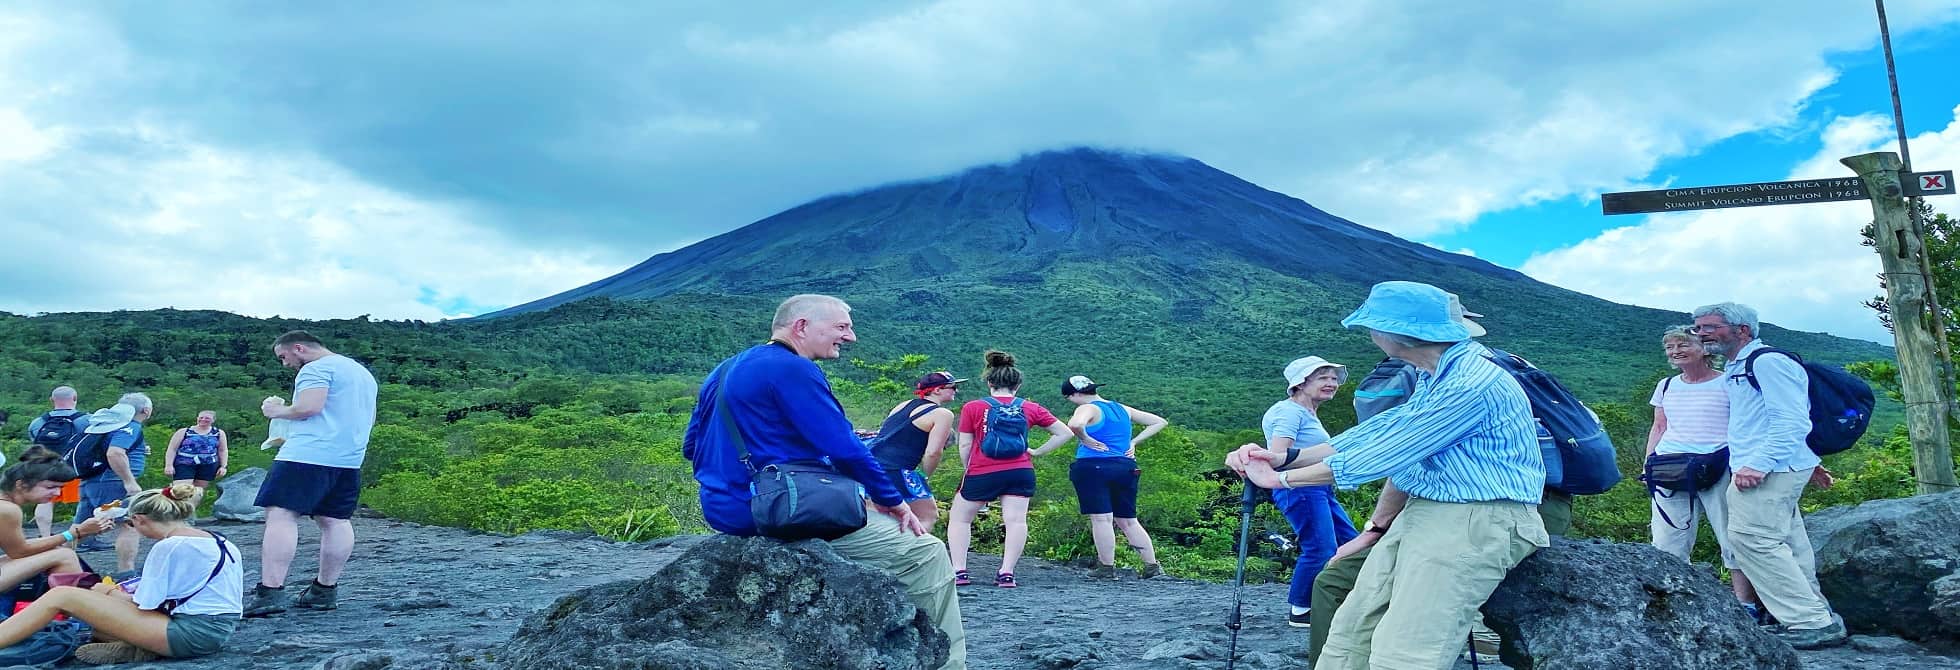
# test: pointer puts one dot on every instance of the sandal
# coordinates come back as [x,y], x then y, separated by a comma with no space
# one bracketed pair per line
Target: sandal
[962,578]
[1004,580]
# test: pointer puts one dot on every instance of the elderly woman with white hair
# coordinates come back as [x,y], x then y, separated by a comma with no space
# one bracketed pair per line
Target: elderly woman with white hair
[1318,521]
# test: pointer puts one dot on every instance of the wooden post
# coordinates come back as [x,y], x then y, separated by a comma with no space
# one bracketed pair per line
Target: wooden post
[1920,373]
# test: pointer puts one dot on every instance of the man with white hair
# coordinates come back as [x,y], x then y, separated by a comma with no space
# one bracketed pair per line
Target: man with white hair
[1771,461]
[126,453]
[774,402]
[58,430]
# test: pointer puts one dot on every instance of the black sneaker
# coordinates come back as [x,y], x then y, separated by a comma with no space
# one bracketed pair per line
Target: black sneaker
[1301,620]
[317,597]
[266,601]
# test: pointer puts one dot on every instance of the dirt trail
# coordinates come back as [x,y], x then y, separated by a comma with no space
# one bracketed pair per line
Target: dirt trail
[415,591]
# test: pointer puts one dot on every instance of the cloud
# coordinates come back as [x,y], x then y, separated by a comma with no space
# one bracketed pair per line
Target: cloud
[591,133]
[1801,266]
[193,226]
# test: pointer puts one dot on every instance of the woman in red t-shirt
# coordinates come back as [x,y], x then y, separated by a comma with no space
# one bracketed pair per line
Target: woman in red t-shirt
[1007,479]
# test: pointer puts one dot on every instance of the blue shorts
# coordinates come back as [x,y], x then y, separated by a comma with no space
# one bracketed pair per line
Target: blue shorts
[106,487]
[911,484]
[1106,486]
[311,490]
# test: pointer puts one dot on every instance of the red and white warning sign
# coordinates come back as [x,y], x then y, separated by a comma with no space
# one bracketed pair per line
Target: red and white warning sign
[1930,183]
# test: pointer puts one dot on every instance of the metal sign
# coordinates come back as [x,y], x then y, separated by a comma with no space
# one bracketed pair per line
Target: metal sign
[1737,195]
[1929,183]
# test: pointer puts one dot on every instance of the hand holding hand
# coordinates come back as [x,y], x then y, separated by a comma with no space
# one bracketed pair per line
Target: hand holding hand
[1260,473]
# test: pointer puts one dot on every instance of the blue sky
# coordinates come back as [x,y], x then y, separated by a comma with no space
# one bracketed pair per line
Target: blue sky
[1929,91]
[436,160]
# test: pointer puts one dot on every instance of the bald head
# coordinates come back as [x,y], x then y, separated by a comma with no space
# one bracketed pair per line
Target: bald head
[63,397]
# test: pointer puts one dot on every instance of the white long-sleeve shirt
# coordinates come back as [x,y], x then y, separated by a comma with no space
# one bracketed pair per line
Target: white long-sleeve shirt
[1767,428]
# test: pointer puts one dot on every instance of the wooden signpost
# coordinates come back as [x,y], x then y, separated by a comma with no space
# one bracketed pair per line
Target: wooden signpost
[1922,373]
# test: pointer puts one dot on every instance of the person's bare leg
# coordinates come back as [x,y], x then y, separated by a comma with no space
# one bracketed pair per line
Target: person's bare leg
[959,530]
[1013,515]
[336,545]
[281,542]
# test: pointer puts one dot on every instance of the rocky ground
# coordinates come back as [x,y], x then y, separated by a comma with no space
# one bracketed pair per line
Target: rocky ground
[418,594]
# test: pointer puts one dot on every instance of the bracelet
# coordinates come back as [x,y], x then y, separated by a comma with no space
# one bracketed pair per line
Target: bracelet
[68,536]
[1283,481]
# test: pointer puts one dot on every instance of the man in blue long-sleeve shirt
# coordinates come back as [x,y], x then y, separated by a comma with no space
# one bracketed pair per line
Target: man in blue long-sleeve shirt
[1464,449]
[782,404]
[1772,462]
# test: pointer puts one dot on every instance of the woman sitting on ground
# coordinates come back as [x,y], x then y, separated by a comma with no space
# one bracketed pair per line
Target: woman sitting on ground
[1105,473]
[187,604]
[36,479]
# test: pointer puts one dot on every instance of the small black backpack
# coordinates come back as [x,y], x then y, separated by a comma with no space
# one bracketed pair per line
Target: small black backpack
[57,431]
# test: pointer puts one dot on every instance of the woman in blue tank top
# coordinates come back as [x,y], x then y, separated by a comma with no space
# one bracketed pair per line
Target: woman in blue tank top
[198,455]
[1105,472]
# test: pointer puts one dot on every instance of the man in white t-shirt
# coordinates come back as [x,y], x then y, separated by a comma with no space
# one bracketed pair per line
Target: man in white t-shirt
[317,472]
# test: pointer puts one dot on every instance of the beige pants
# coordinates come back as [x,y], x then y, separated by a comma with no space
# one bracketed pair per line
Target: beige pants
[1767,536]
[920,563]
[1712,504]
[1417,594]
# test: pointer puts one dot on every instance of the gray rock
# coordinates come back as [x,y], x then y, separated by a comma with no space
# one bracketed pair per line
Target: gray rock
[1266,660]
[415,601]
[383,660]
[1879,644]
[1586,605]
[740,603]
[1886,565]
[1196,650]
[236,495]
[1063,649]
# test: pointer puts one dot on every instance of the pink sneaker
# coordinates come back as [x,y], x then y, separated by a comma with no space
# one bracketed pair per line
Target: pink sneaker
[1004,580]
[961,578]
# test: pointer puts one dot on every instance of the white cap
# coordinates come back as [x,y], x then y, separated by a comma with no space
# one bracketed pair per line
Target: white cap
[1301,368]
[1460,314]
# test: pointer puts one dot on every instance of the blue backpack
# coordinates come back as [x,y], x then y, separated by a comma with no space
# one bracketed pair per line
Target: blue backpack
[1007,430]
[1580,459]
[1840,404]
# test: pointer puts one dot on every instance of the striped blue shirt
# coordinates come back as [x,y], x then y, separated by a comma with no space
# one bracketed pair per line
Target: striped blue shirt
[1465,435]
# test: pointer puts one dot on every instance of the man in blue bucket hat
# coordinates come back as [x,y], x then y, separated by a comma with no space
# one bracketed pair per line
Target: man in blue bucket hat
[1465,450]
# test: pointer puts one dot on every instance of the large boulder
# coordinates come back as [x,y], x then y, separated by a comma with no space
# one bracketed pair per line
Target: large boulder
[740,603]
[236,494]
[1888,565]
[1590,604]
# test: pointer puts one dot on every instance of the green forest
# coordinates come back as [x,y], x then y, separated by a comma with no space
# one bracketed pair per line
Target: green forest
[572,418]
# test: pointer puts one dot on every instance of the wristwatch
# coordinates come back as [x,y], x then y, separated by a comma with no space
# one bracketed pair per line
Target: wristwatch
[1370,527]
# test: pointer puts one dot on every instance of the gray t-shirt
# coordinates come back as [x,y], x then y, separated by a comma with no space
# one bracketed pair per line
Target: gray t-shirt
[337,437]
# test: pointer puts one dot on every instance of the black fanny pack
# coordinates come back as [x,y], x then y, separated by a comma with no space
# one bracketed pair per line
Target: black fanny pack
[1686,472]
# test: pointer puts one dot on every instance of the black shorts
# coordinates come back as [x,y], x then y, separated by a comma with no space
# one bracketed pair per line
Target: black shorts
[991,486]
[311,490]
[1106,486]
[193,470]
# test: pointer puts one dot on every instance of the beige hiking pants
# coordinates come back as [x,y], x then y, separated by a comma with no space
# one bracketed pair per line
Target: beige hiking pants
[920,563]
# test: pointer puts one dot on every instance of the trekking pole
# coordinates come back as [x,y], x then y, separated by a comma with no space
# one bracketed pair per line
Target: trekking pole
[1238,581]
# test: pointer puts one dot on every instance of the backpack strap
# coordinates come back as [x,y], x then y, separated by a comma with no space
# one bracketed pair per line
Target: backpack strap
[1666,383]
[726,419]
[1749,364]
[925,407]
[223,555]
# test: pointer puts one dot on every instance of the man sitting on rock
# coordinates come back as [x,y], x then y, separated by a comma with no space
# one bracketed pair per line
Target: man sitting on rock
[782,405]
[1464,449]
[1771,462]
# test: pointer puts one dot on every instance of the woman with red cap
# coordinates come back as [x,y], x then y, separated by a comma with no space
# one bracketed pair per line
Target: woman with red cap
[913,438]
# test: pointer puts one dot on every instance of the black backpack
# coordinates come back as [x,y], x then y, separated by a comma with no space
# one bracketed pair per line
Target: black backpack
[90,455]
[57,431]
[1840,404]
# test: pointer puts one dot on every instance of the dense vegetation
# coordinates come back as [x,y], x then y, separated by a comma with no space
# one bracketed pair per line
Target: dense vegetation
[481,432]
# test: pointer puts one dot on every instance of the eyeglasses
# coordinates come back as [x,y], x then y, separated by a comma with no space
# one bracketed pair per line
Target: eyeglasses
[1711,327]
